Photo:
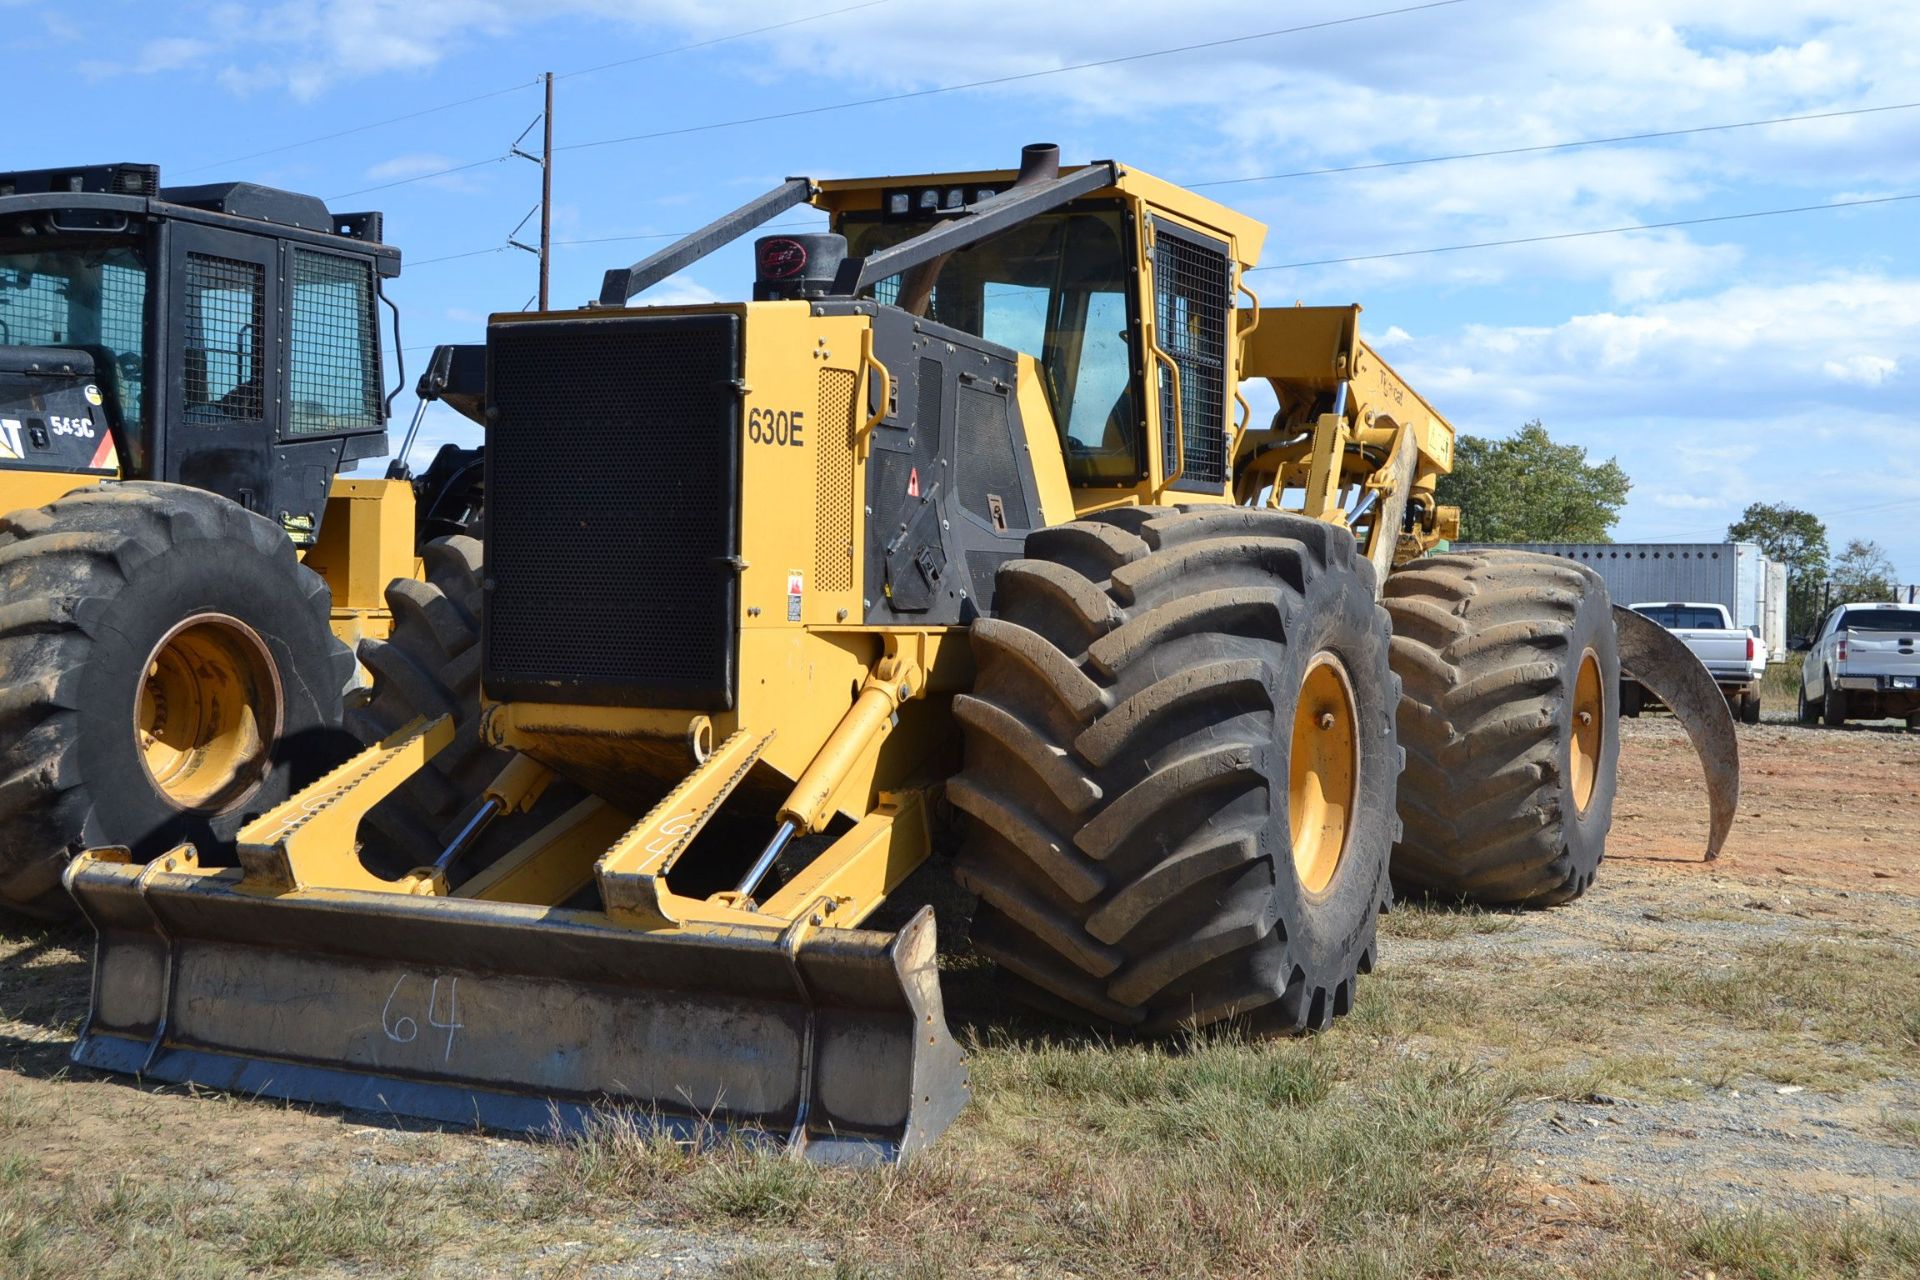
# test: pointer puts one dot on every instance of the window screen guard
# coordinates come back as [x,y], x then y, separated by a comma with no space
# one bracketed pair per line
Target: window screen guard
[1192,289]
[333,369]
[226,302]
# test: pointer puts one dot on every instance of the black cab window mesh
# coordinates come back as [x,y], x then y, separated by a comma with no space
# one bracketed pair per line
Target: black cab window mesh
[1191,290]
[226,302]
[333,359]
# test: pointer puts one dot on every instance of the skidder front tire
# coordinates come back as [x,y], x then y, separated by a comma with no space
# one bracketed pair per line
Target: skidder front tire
[1510,679]
[1179,769]
[166,667]
[429,665]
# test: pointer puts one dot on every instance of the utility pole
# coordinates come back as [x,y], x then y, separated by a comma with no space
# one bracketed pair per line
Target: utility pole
[545,208]
[546,194]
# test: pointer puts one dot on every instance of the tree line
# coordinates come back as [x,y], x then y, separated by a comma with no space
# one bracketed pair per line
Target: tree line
[1528,488]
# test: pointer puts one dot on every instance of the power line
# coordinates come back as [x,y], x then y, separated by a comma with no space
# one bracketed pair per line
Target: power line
[649,235]
[924,93]
[1576,235]
[451,257]
[363,128]
[738,35]
[422,177]
[515,88]
[1554,146]
[1010,79]
[1365,257]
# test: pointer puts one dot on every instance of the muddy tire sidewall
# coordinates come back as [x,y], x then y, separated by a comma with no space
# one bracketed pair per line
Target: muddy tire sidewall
[127,806]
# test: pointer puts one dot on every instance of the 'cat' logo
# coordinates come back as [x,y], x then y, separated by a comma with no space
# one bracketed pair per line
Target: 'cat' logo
[10,440]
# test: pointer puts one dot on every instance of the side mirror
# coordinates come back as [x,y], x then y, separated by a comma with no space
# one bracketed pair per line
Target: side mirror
[1800,644]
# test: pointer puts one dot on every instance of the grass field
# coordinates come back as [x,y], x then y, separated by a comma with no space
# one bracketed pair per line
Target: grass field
[1688,1073]
[1386,1148]
[1780,686]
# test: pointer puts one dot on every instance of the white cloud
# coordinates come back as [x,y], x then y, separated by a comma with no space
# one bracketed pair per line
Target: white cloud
[1769,389]
[408,166]
[169,53]
[677,291]
[1717,373]
[1868,370]
[1685,501]
[427,167]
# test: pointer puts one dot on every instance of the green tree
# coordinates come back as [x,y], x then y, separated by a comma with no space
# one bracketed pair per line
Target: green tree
[1798,540]
[1862,572]
[1526,488]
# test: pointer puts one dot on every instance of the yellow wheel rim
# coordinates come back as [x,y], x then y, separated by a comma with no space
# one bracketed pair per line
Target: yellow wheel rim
[1324,772]
[208,712]
[1589,721]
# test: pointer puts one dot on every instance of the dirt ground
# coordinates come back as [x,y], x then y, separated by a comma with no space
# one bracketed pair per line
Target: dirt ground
[1826,848]
[1693,1054]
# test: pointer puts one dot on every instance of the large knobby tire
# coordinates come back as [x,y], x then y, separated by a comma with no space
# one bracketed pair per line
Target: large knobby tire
[429,665]
[1511,744]
[166,673]
[1130,752]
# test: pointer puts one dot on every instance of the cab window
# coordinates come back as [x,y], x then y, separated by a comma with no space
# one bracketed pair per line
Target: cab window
[225,314]
[87,299]
[1054,287]
[333,359]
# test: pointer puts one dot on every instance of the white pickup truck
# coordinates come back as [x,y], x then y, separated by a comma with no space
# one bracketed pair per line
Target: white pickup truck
[1732,655]
[1863,663]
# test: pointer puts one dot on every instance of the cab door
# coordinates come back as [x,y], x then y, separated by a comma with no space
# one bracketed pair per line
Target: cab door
[225,363]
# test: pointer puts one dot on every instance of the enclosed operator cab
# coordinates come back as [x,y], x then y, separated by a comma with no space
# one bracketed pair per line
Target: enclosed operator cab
[225,337]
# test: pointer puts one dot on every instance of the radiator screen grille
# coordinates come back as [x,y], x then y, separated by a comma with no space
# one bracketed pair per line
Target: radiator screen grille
[1190,294]
[612,486]
[833,483]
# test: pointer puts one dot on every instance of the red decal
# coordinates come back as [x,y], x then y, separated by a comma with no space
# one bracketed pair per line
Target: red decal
[782,258]
[105,456]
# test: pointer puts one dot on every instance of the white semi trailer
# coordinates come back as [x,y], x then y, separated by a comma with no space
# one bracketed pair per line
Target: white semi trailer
[1737,575]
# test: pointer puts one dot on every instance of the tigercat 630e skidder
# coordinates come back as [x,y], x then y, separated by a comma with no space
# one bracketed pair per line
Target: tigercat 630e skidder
[963,509]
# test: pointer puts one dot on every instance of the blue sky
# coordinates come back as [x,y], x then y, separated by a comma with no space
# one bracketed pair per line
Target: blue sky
[1771,359]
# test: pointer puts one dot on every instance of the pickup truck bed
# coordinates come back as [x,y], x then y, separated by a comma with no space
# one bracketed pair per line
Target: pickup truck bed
[1732,655]
[1865,665]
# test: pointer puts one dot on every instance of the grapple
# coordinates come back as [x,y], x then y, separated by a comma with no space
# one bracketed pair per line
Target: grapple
[1674,674]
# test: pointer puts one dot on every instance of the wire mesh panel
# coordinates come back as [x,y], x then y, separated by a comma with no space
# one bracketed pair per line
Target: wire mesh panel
[33,306]
[612,491]
[226,302]
[1191,290]
[333,364]
[833,482]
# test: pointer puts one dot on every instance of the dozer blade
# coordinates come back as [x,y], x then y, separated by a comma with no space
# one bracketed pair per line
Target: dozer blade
[519,1018]
[1674,674]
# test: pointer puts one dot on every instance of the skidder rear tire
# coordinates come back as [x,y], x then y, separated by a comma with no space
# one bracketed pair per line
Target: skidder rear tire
[1179,769]
[429,665]
[166,669]
[1510,677]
